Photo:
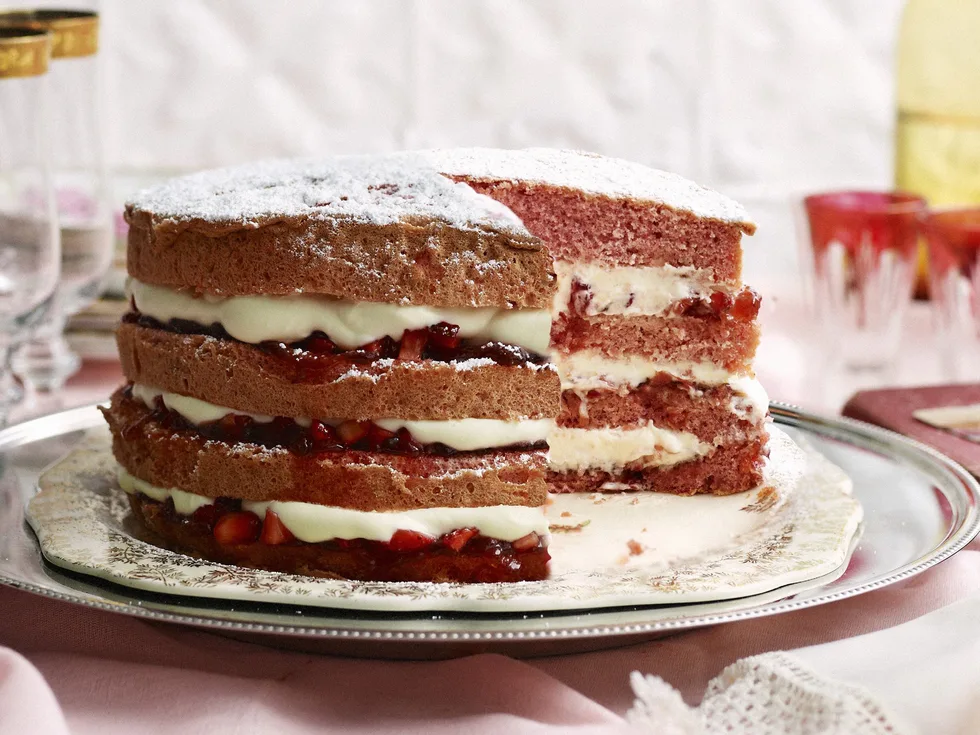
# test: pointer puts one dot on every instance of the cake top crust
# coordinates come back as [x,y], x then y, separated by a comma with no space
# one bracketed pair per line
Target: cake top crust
[369,189]
[379,228]
[588,172]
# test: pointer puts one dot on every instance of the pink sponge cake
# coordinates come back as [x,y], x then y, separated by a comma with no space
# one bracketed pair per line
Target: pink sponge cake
[654,332]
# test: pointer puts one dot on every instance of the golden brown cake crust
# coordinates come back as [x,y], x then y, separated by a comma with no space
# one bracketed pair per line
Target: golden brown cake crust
[244,377]
[368,481]
[428,264]
[363,228]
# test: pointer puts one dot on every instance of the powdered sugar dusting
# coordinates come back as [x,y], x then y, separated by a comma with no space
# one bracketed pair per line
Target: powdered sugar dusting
[611,177]
[380,190]
[472,364]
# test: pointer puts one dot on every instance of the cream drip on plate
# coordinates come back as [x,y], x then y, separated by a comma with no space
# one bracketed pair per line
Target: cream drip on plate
[349,324]
[630,291]
[461,434]
[314,523]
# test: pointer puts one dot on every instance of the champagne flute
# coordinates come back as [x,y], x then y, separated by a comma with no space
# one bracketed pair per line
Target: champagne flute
[30,252]
[78,167]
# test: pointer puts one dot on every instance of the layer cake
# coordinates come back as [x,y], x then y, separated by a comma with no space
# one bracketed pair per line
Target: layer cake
[654,332]
[338,368]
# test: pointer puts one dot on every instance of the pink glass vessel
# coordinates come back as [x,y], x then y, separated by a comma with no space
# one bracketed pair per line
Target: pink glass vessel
[862,246]
[953,238]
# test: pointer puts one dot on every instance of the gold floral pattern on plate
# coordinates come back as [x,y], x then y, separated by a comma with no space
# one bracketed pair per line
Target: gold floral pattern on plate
[635,549]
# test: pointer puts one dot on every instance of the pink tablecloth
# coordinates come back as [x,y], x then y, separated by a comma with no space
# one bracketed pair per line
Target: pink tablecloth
[70,669]
[112,674]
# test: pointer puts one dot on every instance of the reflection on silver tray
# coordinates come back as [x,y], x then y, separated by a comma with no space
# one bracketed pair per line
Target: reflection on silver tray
[919,509]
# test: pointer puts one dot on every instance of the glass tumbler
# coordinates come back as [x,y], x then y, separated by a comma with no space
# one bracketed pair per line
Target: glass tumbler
[29,239]
[78,166]
[953,239]
[862,247]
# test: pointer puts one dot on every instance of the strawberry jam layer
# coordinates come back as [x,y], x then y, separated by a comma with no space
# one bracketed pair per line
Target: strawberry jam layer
[743,306]
[440,342]
[317,437]
[225,533]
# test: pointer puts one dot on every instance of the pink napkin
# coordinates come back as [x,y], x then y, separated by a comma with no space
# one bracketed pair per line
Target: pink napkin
[113,674]
[27,704]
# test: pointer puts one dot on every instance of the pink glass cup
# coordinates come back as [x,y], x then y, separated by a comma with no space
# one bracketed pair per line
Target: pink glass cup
[953,238]
[863,254]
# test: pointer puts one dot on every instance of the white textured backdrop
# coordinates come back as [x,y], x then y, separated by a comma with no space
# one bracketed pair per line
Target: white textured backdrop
[761,99]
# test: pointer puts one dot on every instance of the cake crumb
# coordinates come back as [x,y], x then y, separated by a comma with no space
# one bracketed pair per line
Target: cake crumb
[566,514]
[568,527]
[635,501]
[635,547]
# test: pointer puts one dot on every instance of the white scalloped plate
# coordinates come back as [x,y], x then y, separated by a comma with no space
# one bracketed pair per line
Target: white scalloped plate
[636,549]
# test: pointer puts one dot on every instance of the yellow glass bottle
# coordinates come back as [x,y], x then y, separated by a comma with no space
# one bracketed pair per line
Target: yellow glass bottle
[937,140]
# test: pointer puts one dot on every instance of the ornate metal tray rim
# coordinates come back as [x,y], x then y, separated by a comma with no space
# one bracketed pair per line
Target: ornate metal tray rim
[602,623]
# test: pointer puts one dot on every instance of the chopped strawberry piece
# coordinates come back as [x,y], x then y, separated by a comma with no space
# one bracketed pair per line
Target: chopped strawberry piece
[413,344]
[323,433]
[380,348]
[526,543]
[320,343]
[273,530]
[351,432]
[206,514]
[378,436]
[457,539]
[403,540]
[721,302]
[371,348]
[234,426]
[242,527]
[405,443]
[747,305]
[444,336]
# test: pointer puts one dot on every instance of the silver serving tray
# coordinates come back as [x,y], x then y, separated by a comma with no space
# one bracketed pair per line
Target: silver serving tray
[920,508]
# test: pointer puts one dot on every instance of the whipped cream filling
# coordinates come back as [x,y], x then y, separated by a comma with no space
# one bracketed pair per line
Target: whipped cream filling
[461,434]
[609,449]
[646,291]
[313,523]
[591,370]
[750,400]
[349,324]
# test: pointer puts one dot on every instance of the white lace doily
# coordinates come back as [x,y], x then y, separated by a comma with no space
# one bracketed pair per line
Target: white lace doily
[770,694]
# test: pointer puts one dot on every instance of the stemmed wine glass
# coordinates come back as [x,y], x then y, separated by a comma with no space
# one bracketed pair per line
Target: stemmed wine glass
[81,197]
[30,253]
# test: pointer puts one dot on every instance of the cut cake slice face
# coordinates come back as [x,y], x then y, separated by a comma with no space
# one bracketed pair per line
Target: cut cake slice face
[654,332]
[337,368]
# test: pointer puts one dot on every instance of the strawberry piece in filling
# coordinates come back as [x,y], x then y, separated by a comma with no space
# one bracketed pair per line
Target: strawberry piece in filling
[231,525]
[274,531]
[241,527]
